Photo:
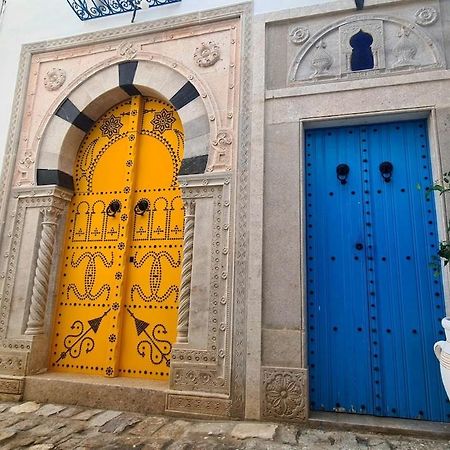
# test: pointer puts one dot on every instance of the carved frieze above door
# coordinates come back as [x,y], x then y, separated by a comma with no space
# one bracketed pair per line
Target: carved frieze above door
[364,46]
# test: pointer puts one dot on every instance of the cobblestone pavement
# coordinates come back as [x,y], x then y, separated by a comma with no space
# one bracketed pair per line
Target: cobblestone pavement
[41,427]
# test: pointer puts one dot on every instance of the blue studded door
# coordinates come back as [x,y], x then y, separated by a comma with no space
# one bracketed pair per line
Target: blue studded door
[374,304]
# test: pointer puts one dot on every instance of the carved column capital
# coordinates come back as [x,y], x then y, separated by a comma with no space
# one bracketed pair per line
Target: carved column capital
[51,215]
[189,207]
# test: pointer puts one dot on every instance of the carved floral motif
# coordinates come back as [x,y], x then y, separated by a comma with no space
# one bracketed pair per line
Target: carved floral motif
[284,394]
[405,50]
[322,60]
[426,16]
[298,35]
[27,161]
[54,79]
[207,54]
[127,50]
[222,156]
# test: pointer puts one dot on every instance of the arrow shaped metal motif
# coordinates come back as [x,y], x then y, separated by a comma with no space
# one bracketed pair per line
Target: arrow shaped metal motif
[74,347]
[152,342]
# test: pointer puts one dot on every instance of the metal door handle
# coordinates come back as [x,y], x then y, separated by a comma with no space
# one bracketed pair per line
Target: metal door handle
[113,208]
[141,206]
[386,169]
[342,171]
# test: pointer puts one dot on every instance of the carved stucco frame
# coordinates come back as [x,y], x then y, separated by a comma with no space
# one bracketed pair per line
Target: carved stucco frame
[231,401]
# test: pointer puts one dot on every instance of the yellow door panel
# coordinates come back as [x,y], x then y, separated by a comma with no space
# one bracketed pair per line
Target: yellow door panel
[117,306]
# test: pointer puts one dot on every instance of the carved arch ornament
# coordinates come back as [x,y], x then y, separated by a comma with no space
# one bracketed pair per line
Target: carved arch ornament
[389,34]
[206,108]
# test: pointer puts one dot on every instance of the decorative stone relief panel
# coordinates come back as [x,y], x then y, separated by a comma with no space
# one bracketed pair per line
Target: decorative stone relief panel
[395,45]
[13,363]
[24,199]
[11,386]
[284,394]
[203,363]
[200,406]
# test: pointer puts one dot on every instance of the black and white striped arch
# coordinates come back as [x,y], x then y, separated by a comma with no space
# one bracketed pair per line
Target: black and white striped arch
[78,112]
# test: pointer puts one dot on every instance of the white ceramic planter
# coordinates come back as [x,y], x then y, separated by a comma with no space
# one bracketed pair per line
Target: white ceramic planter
[442,352]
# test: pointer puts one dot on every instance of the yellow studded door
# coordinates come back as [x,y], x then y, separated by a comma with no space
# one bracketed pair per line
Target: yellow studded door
[116,312]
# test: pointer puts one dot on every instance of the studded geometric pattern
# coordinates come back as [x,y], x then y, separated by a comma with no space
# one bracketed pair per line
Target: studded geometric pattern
[117,307]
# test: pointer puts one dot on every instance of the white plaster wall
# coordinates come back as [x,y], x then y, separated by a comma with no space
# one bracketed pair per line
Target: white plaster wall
[25,21]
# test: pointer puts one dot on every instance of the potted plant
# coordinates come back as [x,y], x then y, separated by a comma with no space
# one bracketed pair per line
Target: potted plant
[442,348]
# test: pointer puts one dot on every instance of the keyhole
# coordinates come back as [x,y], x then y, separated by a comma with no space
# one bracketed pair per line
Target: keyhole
[362,56]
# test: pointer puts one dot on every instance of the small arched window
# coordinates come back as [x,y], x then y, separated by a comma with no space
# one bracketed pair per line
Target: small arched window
[362,56]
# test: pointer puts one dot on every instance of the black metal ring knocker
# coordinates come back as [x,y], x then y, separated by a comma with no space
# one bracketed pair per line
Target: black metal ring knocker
[141,206]
[113,208]
[386,169]
[342,171]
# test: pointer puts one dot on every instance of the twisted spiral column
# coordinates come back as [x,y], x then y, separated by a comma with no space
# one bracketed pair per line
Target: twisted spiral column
[186,271]
[35,324]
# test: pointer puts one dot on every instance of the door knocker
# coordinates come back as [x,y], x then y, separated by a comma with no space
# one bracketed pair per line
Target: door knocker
[113,208]
[141,206]
[342,171]
[386,169]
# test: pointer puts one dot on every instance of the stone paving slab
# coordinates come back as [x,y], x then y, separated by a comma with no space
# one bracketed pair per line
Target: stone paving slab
[70,411]
[44,427]
[49,410]
[149,425]
[246,430]
[27,407]
[103,418]
[86,414]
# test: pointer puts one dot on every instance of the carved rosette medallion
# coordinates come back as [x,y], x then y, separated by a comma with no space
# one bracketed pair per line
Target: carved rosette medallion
[127,50]
[426,16]
[54,79]
[298,35]
[207,54]
[284,394]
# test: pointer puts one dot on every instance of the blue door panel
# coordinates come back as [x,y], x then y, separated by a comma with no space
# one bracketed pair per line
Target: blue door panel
[374,305]
[337,315]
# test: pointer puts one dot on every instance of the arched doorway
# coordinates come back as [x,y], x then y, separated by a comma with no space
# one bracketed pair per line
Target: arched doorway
[116,310]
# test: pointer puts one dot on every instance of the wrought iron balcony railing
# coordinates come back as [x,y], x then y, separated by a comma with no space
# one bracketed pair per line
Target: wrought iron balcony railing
[92,9]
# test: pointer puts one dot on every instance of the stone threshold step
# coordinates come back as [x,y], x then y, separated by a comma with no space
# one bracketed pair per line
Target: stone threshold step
[385,425]
[124,394]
